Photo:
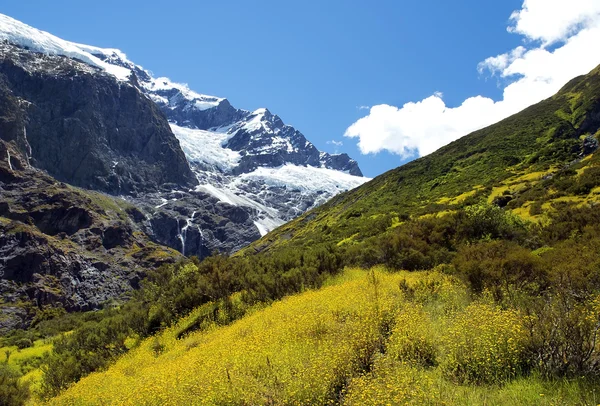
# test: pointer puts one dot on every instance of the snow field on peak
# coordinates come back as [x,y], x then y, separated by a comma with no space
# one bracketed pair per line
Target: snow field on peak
[201,101]
[305,178]
[23,35]
[18,33]
[256,122]
[206,147]
[201,146]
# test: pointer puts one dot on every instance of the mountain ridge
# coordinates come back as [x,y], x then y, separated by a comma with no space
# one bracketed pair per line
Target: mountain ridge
[225,145]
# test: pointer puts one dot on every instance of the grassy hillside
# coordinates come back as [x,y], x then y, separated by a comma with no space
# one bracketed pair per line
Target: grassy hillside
[370,338]
[503,225]
[531,162]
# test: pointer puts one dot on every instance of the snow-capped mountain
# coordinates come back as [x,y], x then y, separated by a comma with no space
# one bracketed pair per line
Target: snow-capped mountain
[247,164]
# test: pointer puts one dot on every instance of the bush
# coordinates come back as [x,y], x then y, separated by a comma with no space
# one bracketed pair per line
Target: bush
[485,345]
[24,343]
[411,340]
[502,267]
[12,391]
[488,222]
[564,336]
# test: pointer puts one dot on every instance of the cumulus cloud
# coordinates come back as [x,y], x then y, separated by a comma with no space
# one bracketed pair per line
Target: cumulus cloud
[532,71]
[552,21]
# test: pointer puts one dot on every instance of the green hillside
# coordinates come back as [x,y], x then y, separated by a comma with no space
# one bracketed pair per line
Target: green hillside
[487,290]
[533,160]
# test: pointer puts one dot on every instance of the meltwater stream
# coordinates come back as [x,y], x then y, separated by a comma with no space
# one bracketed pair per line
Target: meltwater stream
[183,232]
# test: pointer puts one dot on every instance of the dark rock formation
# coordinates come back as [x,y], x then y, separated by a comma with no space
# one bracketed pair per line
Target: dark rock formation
[269,142]
[62,246]
[86,127]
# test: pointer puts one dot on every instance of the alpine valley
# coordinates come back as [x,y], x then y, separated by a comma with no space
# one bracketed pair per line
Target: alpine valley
[82,124]
[469,276]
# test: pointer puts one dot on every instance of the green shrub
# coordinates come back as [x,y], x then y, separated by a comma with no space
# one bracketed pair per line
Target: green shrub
[485,221]
[564,335]
[503,267]
[24,343]
[12,391]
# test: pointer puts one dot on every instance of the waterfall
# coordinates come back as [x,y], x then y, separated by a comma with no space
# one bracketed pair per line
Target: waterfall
[8,159]
[201,241]
[183,231]
[181,238]
[29,154]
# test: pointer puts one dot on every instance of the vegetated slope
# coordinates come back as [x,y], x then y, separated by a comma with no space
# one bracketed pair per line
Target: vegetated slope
[543,273]
[362,341]
[528,162]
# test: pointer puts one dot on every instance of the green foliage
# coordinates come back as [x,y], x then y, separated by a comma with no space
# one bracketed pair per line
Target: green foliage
[12,391]
[564,334]
[500,266]
[426,214]
[172,291]
[489,222]
[534,140]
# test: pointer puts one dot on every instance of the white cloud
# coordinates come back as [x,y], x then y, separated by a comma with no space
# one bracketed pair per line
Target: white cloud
[362,107]
[336,143]
[533,73]
[552,21]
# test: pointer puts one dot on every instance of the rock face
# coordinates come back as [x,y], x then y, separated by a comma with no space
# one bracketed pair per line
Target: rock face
[263,140]
[87,128]
[252,160]
[196,223]
[63,246]
[193,172]
[205,175]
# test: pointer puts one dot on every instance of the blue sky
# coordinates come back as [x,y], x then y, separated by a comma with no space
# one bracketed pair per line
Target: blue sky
[315,63]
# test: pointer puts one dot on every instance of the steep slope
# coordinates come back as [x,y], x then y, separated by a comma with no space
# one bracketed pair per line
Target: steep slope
[62,246]
[118,142]
[86,127]
[526,163]
[519,301]
[222,142]
[359,341]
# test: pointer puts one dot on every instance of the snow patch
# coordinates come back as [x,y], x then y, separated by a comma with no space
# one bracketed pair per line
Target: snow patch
[200,101]
[257,122]
[261,229]
[226,195]
[206,147]
[266,225]
[20,34]
[164,201]
[305,178]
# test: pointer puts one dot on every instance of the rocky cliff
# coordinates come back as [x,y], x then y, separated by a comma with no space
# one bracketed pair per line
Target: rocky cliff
[86,127]
[65,246]
[207,176]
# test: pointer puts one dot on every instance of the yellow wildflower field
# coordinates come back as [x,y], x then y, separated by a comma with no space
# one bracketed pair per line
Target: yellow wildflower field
[365,338]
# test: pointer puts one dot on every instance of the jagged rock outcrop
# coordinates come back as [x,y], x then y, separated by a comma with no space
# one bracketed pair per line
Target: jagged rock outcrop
[92,118]
[63,246]
[86,127]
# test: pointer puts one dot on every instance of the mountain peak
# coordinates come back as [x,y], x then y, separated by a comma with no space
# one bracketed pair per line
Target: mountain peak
[248,159]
